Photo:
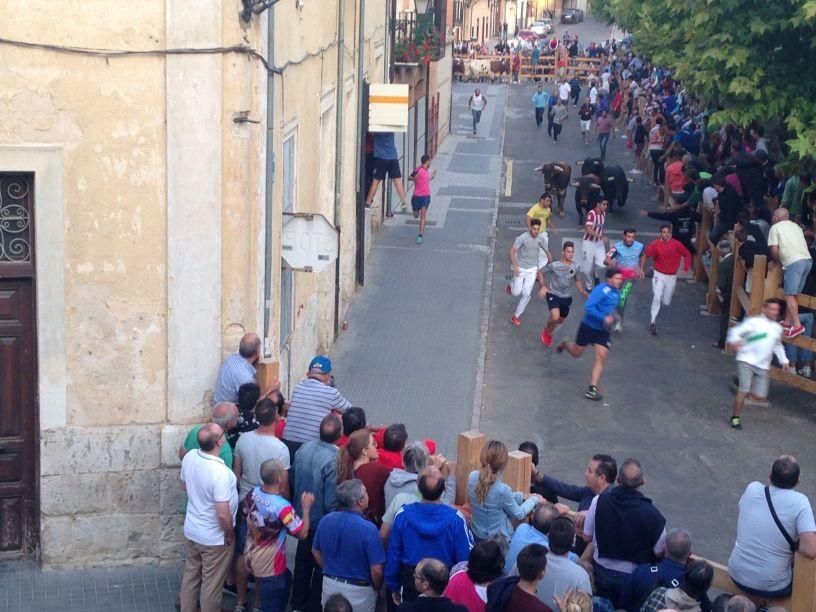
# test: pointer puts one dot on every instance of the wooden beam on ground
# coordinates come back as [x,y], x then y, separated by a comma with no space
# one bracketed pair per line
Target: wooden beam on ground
[518,472]
[467,459]
[794,380]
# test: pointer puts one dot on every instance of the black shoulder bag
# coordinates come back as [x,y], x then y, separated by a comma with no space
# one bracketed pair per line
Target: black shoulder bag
[794,546]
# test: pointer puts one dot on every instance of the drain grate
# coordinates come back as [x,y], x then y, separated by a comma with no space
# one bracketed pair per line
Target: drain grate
[516,220]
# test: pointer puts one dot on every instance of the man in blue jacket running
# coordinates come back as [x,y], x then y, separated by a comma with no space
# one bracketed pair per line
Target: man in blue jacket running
[594,329]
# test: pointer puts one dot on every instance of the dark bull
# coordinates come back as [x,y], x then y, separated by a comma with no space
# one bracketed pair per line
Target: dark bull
[556,180]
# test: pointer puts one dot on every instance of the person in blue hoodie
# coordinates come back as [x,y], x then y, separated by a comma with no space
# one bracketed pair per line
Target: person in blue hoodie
[598,319]
[423,529]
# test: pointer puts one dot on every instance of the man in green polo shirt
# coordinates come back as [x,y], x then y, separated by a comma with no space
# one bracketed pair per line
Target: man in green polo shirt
[224,414]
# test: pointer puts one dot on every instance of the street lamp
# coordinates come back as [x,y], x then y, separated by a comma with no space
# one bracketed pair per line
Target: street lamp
[423,6]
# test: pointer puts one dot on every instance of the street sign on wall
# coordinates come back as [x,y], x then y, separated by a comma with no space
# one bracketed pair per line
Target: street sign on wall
[388,108]
[309,243]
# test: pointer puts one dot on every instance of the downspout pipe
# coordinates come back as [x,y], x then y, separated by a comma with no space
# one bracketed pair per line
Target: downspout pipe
[270,179]
[338,149]
[361,108]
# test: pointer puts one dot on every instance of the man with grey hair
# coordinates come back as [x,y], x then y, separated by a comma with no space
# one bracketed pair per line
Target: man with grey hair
[740,603]
[626,530]
[401,487]
[208,522]
[349,550]
[238,368]
[725,282]
[667,573]
[789,249]
[225,415]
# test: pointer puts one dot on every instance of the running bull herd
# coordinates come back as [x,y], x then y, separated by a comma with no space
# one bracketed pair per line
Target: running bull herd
[596,179]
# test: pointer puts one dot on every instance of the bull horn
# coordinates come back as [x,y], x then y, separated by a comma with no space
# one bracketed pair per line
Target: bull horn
[630,179]
[594,186]
[559,168]
[538,169]
[574,183]
[611,179]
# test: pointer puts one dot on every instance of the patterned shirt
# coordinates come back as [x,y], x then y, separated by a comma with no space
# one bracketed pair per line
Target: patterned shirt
[595,221]
[560,278]
[269,517]
[234,372]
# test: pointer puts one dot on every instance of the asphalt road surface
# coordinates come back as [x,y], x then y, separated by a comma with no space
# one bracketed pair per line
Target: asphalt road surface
[666,398]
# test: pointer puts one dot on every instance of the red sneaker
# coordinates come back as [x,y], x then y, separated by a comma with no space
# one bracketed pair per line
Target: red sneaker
[792,332]
[515,320]
[546,339]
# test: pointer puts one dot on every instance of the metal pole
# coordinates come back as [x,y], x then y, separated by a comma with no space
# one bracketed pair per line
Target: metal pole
[270,180]
[338,150]
[361,158]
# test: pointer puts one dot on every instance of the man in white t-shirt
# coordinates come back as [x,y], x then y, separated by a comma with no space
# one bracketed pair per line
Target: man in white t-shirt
[212,499]
[564,91]
[252,450]
[760,562]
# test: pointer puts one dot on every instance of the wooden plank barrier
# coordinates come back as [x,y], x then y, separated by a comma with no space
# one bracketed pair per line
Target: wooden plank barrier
[267,373]
[467,459]
[703,229]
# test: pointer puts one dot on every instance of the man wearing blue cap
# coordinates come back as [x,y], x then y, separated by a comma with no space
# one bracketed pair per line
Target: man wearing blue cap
[312,399]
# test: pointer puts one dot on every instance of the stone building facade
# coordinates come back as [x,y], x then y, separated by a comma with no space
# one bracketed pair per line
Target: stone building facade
[133,168]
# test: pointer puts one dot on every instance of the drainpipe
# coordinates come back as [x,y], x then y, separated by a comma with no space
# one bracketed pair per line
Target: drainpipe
[270,178]
[361,227]
[338,149]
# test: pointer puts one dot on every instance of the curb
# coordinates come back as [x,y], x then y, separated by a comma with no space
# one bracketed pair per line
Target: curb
[478,392]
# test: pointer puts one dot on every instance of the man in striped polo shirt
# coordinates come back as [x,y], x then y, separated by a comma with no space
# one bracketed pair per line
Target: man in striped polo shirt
[312,399]
[593,248]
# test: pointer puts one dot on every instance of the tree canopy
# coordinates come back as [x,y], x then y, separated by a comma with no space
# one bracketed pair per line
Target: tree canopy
[752,58]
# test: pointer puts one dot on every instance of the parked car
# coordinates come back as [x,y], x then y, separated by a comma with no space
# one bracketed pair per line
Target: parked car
[572,15]
[542,27]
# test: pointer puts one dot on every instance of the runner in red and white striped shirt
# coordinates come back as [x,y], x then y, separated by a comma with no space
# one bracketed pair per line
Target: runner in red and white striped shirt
[593,249]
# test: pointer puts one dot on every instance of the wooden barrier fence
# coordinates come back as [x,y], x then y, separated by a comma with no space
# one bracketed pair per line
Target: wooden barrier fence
[546,68]
[517,475]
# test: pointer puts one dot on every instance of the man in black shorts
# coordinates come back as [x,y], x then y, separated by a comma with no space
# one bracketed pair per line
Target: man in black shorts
[386,165]
[594,329]
[560,274]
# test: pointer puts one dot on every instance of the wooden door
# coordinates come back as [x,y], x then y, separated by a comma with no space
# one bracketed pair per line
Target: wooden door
[19,508]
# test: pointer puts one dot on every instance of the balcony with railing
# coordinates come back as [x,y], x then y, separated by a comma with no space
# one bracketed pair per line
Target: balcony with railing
[420,37]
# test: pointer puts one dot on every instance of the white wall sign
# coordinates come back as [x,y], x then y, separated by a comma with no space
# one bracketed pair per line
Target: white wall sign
[308,242]
[388,108]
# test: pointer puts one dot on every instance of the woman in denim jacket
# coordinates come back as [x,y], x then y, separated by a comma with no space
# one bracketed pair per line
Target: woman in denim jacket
[493,504]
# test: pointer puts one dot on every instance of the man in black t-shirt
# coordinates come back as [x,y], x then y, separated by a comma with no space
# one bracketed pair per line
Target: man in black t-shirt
[585,114]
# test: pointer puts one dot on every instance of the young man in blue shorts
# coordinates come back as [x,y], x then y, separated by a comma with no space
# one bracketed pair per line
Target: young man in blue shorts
[594,328]
[627,256]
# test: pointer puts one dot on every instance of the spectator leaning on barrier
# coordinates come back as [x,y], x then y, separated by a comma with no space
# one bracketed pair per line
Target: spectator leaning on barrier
[789,247]
[493,503]
[237,369]
[760,563]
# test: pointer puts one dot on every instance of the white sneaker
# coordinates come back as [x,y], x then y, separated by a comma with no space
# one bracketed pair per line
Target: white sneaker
[635,171]
[403,206]
[805,371]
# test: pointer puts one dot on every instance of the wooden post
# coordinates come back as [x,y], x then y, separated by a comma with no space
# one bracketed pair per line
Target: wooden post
[803,598]
[703,228]
[712,301]
[267,372]
[739,283]
[467,459]
[772,281]
[758,284]
[518,472]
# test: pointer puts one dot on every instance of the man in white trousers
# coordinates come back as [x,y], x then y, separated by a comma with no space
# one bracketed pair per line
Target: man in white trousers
[528,255]
[594,246]
[666,252]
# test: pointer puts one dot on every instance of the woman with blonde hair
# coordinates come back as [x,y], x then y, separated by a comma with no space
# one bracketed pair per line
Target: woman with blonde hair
[358,459]
[493,504]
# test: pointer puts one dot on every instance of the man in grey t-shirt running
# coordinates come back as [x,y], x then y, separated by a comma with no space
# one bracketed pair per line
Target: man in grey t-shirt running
[562,275]
[529,253]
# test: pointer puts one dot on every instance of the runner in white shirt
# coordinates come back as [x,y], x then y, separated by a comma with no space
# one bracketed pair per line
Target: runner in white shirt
[528,255]
[564,91]
[756,340]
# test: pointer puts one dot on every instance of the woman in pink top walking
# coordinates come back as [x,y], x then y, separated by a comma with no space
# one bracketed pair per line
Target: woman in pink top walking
[422,192]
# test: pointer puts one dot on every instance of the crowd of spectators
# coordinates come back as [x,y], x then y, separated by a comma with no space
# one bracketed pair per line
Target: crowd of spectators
[377,527]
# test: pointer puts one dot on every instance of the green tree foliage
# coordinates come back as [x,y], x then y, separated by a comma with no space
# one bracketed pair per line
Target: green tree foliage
[753,58]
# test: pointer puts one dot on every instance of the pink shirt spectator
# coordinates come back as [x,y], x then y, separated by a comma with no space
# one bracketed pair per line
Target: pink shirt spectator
[462,591]
[422,181]
[733,180]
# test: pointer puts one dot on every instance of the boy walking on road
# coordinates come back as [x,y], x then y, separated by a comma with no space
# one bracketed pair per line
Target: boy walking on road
[594,328]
